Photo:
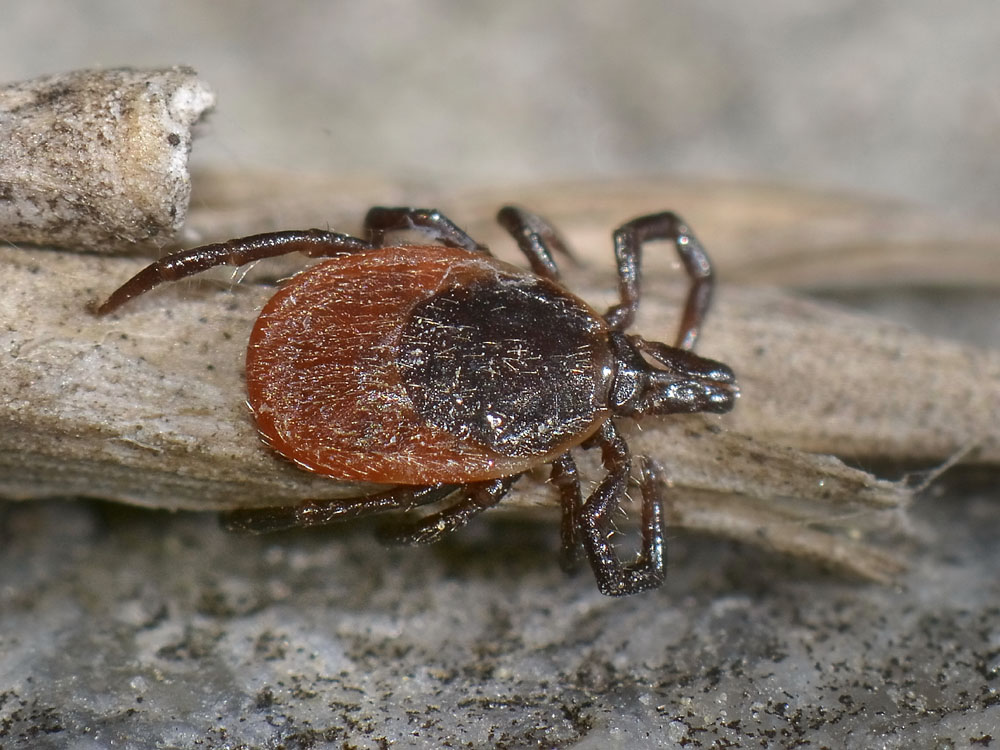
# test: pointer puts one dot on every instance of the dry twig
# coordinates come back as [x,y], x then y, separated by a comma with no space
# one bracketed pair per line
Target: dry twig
[147,406]
[97,160]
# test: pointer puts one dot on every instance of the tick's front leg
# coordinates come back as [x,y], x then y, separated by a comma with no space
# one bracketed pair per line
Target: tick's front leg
[629,240]
[648,571]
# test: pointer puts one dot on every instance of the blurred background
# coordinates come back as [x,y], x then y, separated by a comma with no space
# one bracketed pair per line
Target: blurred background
[890,99]
[132,628]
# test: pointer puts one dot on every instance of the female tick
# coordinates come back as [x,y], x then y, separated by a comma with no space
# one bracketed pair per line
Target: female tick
[447,373]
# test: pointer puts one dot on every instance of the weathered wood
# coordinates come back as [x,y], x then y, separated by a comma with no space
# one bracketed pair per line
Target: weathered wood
[97,159]
[146,406]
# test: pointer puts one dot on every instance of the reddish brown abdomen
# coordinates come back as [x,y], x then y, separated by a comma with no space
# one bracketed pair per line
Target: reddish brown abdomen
[324,381]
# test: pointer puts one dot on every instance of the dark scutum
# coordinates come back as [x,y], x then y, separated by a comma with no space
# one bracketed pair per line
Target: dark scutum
[514,364]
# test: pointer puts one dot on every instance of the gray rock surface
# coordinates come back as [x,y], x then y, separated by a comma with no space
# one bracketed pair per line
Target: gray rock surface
[135,629]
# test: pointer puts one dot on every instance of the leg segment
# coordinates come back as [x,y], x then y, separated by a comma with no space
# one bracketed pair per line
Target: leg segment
[476,497]
[613,577]
[238,252]
[566,479]
[434,225]
[629,239]
[323,512]
[536,238]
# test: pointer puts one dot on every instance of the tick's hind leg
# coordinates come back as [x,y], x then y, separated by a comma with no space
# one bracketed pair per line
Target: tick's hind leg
[433,224]
[475,498]
[615,578]
[327,511]
[238,252]
[536,238]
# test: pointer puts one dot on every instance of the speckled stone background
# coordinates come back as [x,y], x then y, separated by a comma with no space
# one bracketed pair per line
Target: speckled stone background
[132,629]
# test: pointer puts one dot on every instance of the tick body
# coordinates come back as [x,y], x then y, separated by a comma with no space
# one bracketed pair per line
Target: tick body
[447,373]
[422,365]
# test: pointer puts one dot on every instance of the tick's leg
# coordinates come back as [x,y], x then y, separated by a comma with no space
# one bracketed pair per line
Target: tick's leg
[322,512]
[536,238]
[179,265]
[567,481]
[432,224]
[613,577]
[629,239]
[476,497]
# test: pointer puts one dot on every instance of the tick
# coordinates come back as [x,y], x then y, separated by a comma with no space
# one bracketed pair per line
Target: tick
[449,374]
